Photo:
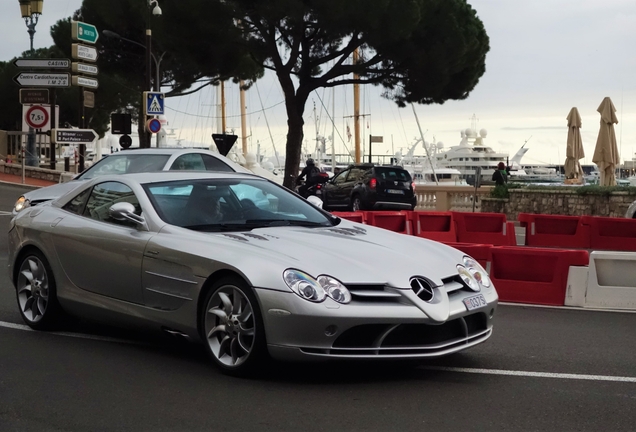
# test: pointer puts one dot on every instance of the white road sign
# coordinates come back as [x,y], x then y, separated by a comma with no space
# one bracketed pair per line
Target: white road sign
[84,68]
[39,79]
[42,63]
[84,52]
[85,82]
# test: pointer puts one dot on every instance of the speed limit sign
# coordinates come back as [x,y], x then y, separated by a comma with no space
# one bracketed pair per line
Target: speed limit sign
[37,117]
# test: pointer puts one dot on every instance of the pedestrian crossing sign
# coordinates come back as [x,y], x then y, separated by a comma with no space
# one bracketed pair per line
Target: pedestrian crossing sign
[154,103]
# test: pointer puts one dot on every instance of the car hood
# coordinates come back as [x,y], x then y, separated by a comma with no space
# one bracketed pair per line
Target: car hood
[52,192]
[352,253]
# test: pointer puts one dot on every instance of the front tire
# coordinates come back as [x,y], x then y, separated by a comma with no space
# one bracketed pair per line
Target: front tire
[232,327]
[36,293]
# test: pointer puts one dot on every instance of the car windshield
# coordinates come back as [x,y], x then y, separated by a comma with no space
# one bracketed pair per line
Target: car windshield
[232,205]
[126,163]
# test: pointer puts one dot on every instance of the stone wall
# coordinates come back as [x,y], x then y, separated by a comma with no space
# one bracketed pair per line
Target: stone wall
[561,202]
[32,172]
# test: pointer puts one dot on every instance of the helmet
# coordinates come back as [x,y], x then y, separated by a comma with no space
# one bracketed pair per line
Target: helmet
[310,161]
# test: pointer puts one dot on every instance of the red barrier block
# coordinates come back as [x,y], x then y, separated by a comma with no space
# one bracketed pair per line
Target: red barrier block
[481,252]
[555,231]
[396,221]
[611,233]
[438,226]
[484,228]
[352,216]
[533,275]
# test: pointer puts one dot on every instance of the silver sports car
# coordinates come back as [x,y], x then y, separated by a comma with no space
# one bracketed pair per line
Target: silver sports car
[247,267]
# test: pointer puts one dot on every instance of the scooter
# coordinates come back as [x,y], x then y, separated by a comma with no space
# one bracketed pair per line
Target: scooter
[316,188]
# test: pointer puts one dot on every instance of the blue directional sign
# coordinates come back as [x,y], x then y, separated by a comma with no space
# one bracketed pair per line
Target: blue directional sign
[154,103]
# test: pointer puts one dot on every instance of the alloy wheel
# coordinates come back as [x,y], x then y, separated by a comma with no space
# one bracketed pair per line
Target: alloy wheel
[356,205]
[230,326]
[33,289]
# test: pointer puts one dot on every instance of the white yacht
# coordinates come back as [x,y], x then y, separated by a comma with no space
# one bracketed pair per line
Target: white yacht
[470,156]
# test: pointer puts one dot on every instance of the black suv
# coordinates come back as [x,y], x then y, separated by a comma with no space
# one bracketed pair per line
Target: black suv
[370,187]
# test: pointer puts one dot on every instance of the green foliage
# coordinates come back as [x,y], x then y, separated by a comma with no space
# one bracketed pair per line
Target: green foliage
[579,190]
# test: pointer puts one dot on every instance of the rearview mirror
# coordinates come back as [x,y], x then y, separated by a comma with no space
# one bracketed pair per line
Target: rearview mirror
[313,199]
[125,211]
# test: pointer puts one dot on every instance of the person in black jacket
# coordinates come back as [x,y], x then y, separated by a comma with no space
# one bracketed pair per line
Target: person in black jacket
[309,172]
[500,177]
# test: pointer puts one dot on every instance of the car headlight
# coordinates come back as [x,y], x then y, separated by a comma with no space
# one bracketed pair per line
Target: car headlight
[478,272]
[21,204]
[304,285]
[468,278]
[334,289]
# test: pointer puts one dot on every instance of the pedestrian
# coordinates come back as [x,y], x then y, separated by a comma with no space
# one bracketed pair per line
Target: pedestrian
[500,177]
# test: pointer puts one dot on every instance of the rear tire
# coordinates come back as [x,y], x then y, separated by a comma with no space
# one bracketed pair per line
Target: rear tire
[232,327]
[36,293]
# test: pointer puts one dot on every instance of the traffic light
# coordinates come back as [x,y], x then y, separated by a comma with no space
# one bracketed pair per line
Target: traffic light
[224,142]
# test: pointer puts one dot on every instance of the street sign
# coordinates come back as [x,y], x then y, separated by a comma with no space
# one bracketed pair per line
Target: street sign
[37,117]
[84,52]
[84,68]
[125,141]
[84,32]
[32,79]
[224,142]
[42,63]
[73,136]
[89,99]
[154,103]
[120,123]
[153,125]
[34,96]
[85,82]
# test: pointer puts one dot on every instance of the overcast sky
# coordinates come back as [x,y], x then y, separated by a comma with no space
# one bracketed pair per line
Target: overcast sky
[546,56]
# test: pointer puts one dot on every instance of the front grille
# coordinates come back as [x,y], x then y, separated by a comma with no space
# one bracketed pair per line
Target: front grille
[373,294]
[455,283]
[394,339]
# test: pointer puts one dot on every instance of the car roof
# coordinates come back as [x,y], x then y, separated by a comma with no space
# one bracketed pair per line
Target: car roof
[165,150]
[161,176]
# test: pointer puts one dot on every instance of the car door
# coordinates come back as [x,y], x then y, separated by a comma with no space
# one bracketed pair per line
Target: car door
[333,195]
[98,253]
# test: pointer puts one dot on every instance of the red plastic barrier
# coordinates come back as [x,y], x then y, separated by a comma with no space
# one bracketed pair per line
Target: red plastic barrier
[484,228]
[352,216]
[438,226]
[555,231]
[611,233]
[481,252]
[396,221]
[533,275]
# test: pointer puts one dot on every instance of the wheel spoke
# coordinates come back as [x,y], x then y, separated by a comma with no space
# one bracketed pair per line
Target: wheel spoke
[246,314]
[246,331]
[28,275]
[233,350]
[35,269]
[218,312]
[224,346]
[242,343]
[238,296]
[217,329]
[29,304]
[25,289]
[41,303]
[227,304]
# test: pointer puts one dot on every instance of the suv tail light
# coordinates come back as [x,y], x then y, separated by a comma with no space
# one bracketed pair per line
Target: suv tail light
[373,183]
[413,185]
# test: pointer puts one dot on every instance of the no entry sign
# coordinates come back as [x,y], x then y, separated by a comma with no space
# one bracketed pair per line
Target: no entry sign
[37,117]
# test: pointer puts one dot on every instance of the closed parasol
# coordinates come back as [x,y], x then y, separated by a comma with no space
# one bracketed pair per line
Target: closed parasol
[575,150]
[606,152]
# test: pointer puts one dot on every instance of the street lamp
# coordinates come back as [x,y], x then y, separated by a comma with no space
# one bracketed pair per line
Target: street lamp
[31,11]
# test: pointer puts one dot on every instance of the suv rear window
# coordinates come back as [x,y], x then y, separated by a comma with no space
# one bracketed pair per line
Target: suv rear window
[390,173]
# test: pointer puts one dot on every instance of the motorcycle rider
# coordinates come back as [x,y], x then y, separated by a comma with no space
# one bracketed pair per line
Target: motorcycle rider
[310,172]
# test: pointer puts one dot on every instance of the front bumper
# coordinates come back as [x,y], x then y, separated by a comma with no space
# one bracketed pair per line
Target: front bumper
[394,328]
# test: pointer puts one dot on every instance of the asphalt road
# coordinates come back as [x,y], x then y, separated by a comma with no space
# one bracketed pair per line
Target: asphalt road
[543,369]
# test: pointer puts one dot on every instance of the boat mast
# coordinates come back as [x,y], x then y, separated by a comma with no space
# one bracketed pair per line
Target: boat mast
[428,155]
[356,107]
[243,120]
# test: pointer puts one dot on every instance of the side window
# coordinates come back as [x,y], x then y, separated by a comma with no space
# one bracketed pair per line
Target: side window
[340,178]
[215,164]
[356,174]
[76,205]
[188,162]
[104,195]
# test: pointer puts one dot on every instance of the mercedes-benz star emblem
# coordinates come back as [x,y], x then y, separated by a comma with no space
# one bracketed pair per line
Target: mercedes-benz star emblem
[422,288]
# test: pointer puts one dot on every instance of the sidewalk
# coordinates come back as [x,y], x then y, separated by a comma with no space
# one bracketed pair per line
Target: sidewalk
[28,181]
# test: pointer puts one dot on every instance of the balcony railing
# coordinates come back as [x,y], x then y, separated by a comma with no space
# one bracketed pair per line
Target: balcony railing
[446,198]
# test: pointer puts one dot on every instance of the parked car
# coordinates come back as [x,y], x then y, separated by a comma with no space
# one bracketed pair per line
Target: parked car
[370,187]
[245,266]
[131,161]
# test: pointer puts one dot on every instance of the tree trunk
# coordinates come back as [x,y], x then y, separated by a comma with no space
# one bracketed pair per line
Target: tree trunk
[293,148]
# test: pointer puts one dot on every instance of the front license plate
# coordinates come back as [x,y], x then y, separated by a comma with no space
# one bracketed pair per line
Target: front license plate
[395,191]
[475,302]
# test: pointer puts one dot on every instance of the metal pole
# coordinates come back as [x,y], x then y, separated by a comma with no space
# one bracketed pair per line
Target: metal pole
[53,124]
[356,109]
[148,74]
[31,151]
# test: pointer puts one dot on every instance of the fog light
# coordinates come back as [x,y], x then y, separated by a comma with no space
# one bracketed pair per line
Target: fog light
[331,330]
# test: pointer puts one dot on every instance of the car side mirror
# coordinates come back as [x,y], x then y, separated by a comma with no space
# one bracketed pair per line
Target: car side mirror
[125,211]
[313,199]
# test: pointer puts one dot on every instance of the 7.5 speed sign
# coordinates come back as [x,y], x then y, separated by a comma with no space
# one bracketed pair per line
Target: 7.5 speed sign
[37,117]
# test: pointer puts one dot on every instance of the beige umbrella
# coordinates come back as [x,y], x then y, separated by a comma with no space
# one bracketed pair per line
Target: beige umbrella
[606,153]
[575,150]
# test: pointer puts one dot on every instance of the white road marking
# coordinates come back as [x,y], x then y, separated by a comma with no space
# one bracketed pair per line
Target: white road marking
[75,335]
[532,374]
